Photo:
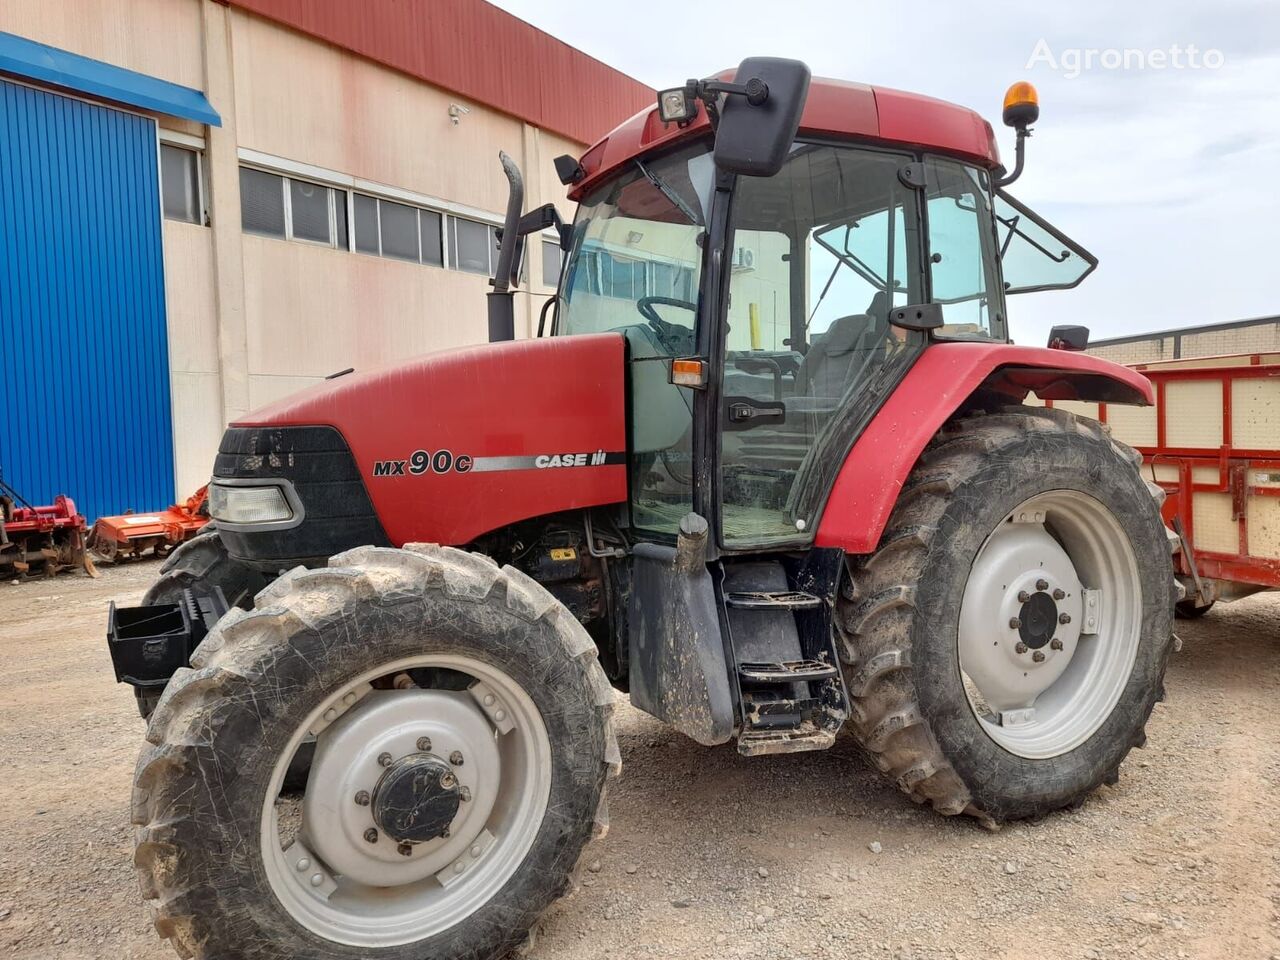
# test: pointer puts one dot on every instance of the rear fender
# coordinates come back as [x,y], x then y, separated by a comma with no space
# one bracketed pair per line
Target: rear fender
[940,383]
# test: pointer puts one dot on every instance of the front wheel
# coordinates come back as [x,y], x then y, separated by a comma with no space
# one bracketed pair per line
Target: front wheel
[462,741]
[1006,644]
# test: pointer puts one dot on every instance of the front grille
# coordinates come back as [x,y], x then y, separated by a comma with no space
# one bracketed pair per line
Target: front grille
[338,512]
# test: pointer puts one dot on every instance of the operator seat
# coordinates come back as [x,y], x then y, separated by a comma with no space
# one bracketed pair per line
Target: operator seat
[833,356]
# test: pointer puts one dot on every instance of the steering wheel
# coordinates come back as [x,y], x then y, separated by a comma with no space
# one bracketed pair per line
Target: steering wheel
[673,336]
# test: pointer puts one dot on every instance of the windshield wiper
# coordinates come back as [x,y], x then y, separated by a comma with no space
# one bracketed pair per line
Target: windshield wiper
[670,194]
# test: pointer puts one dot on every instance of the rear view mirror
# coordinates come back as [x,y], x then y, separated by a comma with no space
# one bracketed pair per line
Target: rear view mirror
[755,132]
[1068,338]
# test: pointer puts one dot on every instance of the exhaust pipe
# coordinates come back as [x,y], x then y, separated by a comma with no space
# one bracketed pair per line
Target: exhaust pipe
[502,317]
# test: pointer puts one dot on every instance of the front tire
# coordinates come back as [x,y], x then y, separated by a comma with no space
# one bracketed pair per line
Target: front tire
[428,674]
[199,565]
[976,681]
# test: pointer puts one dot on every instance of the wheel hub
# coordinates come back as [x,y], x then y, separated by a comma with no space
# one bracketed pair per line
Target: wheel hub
[1020,617]
[375,808]
[1038,620]
[416,799]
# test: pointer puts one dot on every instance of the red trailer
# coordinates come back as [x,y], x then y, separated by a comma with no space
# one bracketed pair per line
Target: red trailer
[1212,441]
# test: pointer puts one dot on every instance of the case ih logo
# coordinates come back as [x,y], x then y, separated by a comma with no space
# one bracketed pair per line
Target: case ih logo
[444,461]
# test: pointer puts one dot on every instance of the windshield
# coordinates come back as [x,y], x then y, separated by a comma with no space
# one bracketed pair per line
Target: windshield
[636,255]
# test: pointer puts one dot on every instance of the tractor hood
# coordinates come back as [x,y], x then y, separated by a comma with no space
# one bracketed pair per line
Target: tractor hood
[454,444]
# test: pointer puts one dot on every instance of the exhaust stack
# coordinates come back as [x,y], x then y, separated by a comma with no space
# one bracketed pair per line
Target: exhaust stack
[502,318]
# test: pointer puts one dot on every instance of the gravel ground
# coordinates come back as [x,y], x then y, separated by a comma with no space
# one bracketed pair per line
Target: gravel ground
[713,855]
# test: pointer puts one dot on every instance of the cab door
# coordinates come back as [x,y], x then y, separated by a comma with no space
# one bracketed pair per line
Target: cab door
[820,253]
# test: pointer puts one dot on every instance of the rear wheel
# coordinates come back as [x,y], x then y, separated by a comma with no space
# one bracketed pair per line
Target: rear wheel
[1006,643]
[463,738]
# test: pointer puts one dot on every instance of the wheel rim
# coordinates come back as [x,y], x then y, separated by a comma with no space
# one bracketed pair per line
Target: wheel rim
[374,769]
[1049,624]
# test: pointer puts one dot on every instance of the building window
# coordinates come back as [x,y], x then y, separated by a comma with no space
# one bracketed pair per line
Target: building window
[180,194]
[385,228]
[552,257]
[262,203]
[472,246]
[290,209]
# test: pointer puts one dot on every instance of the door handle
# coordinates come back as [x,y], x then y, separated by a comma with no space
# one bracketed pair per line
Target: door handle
[743,413]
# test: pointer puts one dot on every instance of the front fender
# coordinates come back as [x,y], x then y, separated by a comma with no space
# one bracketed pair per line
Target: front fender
[945,376]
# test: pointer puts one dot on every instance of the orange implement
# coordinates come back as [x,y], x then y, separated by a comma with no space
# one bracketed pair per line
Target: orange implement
[130,535]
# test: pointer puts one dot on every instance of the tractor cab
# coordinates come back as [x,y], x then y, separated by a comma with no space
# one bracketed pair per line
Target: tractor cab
[768,312]
[777,254]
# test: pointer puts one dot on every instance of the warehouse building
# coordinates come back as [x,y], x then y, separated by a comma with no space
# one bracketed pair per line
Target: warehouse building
[1257,335]
[206,205]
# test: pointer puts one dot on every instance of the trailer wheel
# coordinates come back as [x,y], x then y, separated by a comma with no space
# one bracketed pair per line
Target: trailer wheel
[464,736]
[1005,645]
[1190,610]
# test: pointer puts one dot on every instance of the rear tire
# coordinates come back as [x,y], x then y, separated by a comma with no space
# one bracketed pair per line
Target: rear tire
[205,789]
[900,618]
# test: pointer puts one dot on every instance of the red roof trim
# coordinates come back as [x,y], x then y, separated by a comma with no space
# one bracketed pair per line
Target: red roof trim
[834,108]
[476,50]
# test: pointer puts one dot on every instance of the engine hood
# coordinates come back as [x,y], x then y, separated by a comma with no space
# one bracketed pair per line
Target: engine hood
[453,444]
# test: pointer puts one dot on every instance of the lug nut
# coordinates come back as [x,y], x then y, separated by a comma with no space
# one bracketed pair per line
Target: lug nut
[384,759]
[405,850]
[371,835]
[456,758]
[465,794]
[447,780]
[424,744]
[1023,596]
[1059,593]
[1055,644]
[1038,656]
[1014,623]
[1064,618]
[1020,647]
[1042,584]
[362,798]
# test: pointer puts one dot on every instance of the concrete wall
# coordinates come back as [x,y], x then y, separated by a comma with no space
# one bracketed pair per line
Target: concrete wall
[251,318]
[1246,338]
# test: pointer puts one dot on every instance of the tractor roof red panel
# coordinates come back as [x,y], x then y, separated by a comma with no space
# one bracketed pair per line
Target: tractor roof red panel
[834,108]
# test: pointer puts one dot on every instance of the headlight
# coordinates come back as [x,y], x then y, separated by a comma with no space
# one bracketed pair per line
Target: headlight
[236,504]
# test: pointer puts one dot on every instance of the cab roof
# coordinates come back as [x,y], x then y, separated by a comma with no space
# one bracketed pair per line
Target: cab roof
[834,108]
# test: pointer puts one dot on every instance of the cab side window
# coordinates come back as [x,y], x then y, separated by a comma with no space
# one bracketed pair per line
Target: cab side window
[962,251]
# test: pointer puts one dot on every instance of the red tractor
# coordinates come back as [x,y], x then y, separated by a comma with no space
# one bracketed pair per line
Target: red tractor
[768,470]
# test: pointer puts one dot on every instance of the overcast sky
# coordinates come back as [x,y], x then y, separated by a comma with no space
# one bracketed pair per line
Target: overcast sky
[1166,175]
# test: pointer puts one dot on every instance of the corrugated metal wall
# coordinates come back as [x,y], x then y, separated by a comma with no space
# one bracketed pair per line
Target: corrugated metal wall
[479,51]
[84,356]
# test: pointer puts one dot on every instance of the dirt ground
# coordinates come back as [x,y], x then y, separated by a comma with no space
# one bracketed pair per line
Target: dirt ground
[713,855]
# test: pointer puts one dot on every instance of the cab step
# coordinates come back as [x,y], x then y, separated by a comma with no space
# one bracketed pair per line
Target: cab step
[773,600]
[808,736]
[791,671]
